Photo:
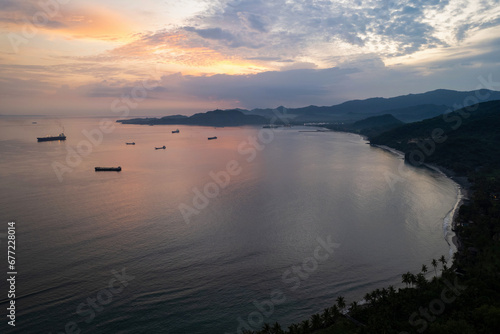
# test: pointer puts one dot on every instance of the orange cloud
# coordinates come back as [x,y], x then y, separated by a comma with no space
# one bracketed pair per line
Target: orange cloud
[177,50]
[95,23]
[71,22]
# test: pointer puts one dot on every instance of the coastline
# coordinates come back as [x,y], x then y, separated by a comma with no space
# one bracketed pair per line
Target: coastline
[463,193]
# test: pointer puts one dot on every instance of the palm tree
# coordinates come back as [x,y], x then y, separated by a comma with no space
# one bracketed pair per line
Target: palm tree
[434,264]
[327,317]
[421,281]
[335,312]
[266,328]
[277,328]
[293,329]
[413,279]
[368,298]
[443,261]
[424,269]
[353,307]
[305,326]
[340,302]
[384,293]
[405,278]
[316,322]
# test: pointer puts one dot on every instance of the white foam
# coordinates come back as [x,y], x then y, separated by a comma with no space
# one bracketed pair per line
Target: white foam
[448,223]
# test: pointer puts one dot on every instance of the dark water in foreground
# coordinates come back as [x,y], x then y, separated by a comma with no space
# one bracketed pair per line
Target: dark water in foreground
[253,243]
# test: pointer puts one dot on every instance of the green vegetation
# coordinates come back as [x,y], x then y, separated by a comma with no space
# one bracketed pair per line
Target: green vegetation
[370,126]
[462,141]
[460,297]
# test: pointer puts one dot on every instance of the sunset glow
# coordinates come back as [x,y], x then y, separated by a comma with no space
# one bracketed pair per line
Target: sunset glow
[61,51]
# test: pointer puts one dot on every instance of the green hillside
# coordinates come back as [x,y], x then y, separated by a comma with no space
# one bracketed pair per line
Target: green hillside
[462,140]
[370,126]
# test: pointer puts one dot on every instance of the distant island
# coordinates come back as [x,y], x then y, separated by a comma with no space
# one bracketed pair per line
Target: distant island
[405,109]
[231,117]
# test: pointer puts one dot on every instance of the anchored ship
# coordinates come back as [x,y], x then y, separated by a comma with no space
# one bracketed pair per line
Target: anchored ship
[52,138]
[108,169]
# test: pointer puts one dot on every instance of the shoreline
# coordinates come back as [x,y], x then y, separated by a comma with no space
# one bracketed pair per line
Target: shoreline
[463,193]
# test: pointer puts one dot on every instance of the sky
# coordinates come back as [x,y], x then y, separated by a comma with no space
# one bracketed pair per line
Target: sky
[164,57]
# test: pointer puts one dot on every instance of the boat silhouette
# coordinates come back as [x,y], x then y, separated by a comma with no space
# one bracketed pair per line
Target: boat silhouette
[108,169]
[52,138]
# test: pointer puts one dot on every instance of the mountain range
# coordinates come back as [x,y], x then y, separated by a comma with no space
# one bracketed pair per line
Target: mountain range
[406,108]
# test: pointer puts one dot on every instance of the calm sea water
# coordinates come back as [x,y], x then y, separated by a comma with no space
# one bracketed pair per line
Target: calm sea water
[247,254]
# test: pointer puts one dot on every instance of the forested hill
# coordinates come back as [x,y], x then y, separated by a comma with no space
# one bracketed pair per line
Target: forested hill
[231,117]
[462,140]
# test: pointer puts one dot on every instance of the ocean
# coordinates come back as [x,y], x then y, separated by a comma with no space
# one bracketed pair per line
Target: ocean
[206,236]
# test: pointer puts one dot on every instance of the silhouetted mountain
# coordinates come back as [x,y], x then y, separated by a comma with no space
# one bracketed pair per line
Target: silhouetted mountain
[408,108]
[461,140]
[370,126]
[210,118]
[383,121]
[418,113]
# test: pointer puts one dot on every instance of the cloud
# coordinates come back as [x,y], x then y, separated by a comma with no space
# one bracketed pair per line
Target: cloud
[255,22]
[212,33]
[299,66]
[291,87]
[291,28]
[254,53]
[14,87]
[72,20]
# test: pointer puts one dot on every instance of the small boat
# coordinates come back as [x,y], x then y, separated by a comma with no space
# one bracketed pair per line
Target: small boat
[271,126]
[176,131]
[33,122]
[52,138]
[210,138]
[108,169]
[132,143]
[160,148]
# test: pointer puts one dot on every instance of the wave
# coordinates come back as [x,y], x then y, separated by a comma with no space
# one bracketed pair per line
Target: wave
[448,233]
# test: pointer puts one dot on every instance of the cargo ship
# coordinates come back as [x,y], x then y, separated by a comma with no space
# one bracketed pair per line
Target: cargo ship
[211,138]
[52,138]
[176,131]
[108,169]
